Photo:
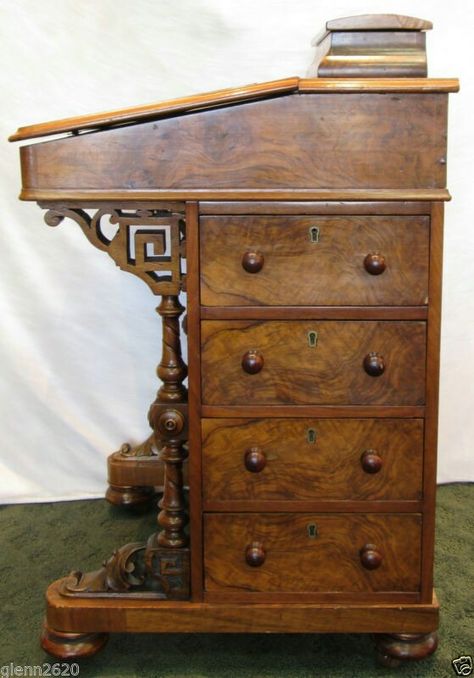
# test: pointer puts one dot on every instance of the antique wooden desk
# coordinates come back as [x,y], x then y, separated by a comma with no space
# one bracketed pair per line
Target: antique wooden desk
[309,214]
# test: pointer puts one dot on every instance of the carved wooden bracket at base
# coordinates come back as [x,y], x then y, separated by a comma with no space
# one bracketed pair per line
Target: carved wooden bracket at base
[135,571]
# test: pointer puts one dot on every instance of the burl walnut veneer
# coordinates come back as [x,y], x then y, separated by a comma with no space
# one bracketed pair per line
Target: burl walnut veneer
[310,216]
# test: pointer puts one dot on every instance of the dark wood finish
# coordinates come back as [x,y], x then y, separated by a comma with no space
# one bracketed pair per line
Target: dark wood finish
[323,597]
[395,648]
[371,557]
[252,362]
[432,389]
[344,251]
[252,262]
[324,548]
[286,145]
[275,459]
[374,263]
[136,232]
[130,496]
[255,460]
[71,645]
[315,506]
[374,364]
[133,615]
[371,461]
[266,207]
[255,554]
[319,255]
[169,422]
[319,411]
[194,382]
[124,195]
[136,114]
[295,373]
[314,312]
[228,96]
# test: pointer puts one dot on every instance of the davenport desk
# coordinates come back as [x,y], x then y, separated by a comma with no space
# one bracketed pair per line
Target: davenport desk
[303,218]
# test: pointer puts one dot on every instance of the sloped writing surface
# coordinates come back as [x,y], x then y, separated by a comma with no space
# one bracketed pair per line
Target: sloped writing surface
[368,140]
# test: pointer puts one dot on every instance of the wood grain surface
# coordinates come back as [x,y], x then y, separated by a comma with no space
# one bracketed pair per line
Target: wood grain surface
[287,249]
[141,615]
[330,373]
[297,141]
[296,562]
[295,468]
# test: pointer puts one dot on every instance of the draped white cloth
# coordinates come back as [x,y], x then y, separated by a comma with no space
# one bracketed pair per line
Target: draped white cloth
[80,339]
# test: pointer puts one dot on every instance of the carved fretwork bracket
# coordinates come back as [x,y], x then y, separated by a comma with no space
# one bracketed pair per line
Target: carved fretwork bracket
[137,571]
[148,241]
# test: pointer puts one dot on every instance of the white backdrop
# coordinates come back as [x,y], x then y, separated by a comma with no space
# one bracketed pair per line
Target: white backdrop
[80,340]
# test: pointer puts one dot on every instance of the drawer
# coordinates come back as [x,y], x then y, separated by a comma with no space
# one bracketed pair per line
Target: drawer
[308,459]
[314,261]
[313,362]
[312,552]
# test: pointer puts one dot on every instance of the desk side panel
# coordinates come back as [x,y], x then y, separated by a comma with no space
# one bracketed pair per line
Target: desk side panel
[300,141]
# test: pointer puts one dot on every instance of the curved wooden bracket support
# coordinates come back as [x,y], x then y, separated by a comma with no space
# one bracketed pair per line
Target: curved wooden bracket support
[147,241]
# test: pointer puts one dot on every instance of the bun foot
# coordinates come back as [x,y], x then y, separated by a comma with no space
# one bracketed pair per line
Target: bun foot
[395,648]
[129,496]
[71,645]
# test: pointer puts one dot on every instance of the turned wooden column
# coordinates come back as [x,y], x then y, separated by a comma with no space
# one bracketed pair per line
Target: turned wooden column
[168,419]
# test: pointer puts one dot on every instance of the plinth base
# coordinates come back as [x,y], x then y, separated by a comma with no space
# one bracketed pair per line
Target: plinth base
[97,616]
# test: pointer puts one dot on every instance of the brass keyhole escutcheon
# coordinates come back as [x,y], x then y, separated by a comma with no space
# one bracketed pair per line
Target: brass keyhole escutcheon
[314,234]
[312,339]
[311,435]
[312,529]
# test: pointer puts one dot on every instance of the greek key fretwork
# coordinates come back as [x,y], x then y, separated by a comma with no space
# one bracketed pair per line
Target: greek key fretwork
[148,242]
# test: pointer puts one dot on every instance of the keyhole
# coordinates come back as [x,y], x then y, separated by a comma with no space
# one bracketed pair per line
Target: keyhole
[312,339]
[311,435]
[314,234]
[312,531]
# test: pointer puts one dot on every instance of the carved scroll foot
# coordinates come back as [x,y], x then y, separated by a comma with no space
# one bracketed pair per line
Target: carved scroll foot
[395,648]
[136,570]
[71,645]
[130,497]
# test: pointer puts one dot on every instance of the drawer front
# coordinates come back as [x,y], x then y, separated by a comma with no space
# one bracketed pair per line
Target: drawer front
[308,459]
[312,552]
[318,260]
[313,362]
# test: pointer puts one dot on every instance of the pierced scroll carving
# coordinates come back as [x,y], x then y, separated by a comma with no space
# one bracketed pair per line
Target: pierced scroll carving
[137,571]
[148,242]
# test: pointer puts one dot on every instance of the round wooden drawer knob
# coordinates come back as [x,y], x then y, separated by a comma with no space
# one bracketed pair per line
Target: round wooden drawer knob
[252,262]
[370,557]
[252,362]
[255,460]
[374,364]
[374,263]
[255,554]
[371,461]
